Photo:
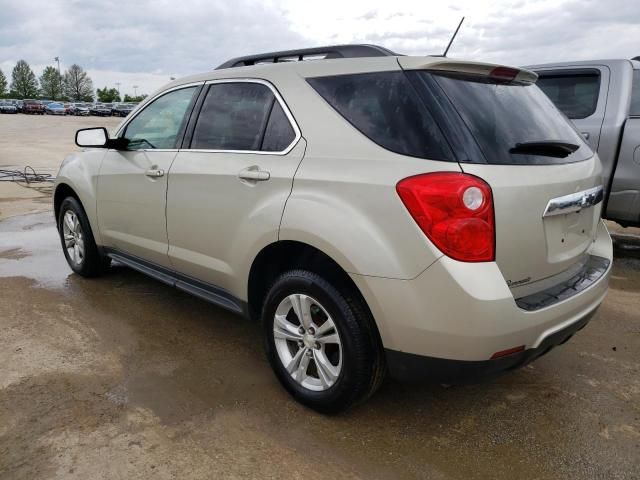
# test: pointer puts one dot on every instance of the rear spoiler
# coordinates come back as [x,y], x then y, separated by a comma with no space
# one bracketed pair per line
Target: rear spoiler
[499,72]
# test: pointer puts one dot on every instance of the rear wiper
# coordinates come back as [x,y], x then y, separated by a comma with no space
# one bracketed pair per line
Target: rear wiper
[546,148]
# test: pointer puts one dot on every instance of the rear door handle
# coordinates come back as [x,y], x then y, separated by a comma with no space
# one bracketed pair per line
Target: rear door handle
[154,173]
[254,174]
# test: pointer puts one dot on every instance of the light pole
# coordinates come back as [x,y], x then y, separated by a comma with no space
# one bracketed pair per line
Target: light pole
[135,90]
[57,59]
[118,87]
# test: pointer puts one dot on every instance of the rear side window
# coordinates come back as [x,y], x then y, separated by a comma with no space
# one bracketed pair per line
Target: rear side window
[634,110]
[279,133]
[575,94]
[385,107]
[233,117]
[504,117]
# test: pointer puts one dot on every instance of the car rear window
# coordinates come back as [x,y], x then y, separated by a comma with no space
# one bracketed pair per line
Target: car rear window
[385,107]
[634,110]
[575,94]
[502,115]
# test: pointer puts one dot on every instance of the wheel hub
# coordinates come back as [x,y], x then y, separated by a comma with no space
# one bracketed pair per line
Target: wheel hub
[309,340]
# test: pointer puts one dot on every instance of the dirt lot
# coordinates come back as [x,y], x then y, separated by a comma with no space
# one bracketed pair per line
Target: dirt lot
[123,377]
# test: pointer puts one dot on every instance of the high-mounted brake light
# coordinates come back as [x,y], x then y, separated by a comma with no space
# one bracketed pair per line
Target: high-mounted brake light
[504,74]
[455,211]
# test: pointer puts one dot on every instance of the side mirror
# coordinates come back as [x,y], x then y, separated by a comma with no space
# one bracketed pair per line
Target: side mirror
[92,137]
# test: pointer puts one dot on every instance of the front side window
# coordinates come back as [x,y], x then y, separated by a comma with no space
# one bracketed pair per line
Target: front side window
[161,123]
[634,110]
[575,94]
[385,107]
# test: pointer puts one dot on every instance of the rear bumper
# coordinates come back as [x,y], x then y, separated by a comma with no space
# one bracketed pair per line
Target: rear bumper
[464,313]
[416,368]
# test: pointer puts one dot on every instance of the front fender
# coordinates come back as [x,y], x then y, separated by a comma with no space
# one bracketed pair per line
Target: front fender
[79,171]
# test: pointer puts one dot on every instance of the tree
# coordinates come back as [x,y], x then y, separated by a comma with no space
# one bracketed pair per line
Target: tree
[23,81]
[3,83]
[132,99]
[78,86]
[51,83]
[108,95]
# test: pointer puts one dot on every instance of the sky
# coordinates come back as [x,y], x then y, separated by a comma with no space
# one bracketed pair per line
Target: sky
[146,42]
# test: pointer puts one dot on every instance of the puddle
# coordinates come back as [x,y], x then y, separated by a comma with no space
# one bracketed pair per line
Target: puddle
[30,247]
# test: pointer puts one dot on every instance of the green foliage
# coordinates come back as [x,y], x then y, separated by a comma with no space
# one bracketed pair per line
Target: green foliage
[77,85]
[23,81]
[108,95]
[3,83]
[51,83]
[136,99]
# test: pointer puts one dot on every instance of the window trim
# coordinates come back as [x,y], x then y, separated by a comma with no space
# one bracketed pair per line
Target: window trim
[561,72]
[123,127]
[278,98]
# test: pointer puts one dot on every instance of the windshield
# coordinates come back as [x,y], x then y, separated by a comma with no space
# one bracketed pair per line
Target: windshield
[510,121]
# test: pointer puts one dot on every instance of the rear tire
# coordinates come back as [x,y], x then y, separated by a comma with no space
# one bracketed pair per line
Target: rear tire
[342,362]
[77,240]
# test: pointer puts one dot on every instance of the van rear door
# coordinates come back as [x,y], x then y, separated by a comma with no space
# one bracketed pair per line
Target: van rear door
[624,200]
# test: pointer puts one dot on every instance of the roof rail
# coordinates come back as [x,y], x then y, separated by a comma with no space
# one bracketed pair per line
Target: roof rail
[333,51]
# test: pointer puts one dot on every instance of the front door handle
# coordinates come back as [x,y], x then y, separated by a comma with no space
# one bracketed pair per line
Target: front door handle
[254,174]
[154,173]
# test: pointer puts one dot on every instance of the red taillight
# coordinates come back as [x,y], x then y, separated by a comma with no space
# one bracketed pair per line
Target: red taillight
[504,74]
[455,211]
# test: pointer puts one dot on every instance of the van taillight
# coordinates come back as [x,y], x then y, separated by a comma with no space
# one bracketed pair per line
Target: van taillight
[455,211]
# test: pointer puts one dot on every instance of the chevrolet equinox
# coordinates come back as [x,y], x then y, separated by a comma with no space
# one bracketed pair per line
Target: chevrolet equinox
[432,218]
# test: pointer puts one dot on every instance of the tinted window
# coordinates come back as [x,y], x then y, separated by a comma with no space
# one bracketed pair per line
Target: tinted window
[385,107]
[576,95]
[279,133]
[233,117]
[160,124]
[634,110]
[502,115]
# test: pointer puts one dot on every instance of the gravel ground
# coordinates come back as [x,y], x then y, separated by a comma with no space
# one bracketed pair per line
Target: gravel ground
[123,377]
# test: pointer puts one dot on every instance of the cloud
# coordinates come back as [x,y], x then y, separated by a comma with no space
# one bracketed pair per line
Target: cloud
[150,37]
[146,42]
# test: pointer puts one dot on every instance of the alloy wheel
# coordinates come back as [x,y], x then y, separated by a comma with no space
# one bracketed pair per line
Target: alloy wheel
[73,237]
[307,342]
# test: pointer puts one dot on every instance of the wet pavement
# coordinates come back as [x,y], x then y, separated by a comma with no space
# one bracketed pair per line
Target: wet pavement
[124,377]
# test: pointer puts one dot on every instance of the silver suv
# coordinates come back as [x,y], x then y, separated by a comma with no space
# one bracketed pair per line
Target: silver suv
[433,218]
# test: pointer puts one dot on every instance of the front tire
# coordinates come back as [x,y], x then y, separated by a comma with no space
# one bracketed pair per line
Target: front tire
[77,240]
[321,342]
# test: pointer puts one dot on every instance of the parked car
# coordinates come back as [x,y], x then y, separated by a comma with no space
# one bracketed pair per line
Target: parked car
[8,107]
[20,105]
[433,217]
[55,108]
[69,108]
[602,98]
[100,110]
[33,107]
[80,109]
[122,109]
